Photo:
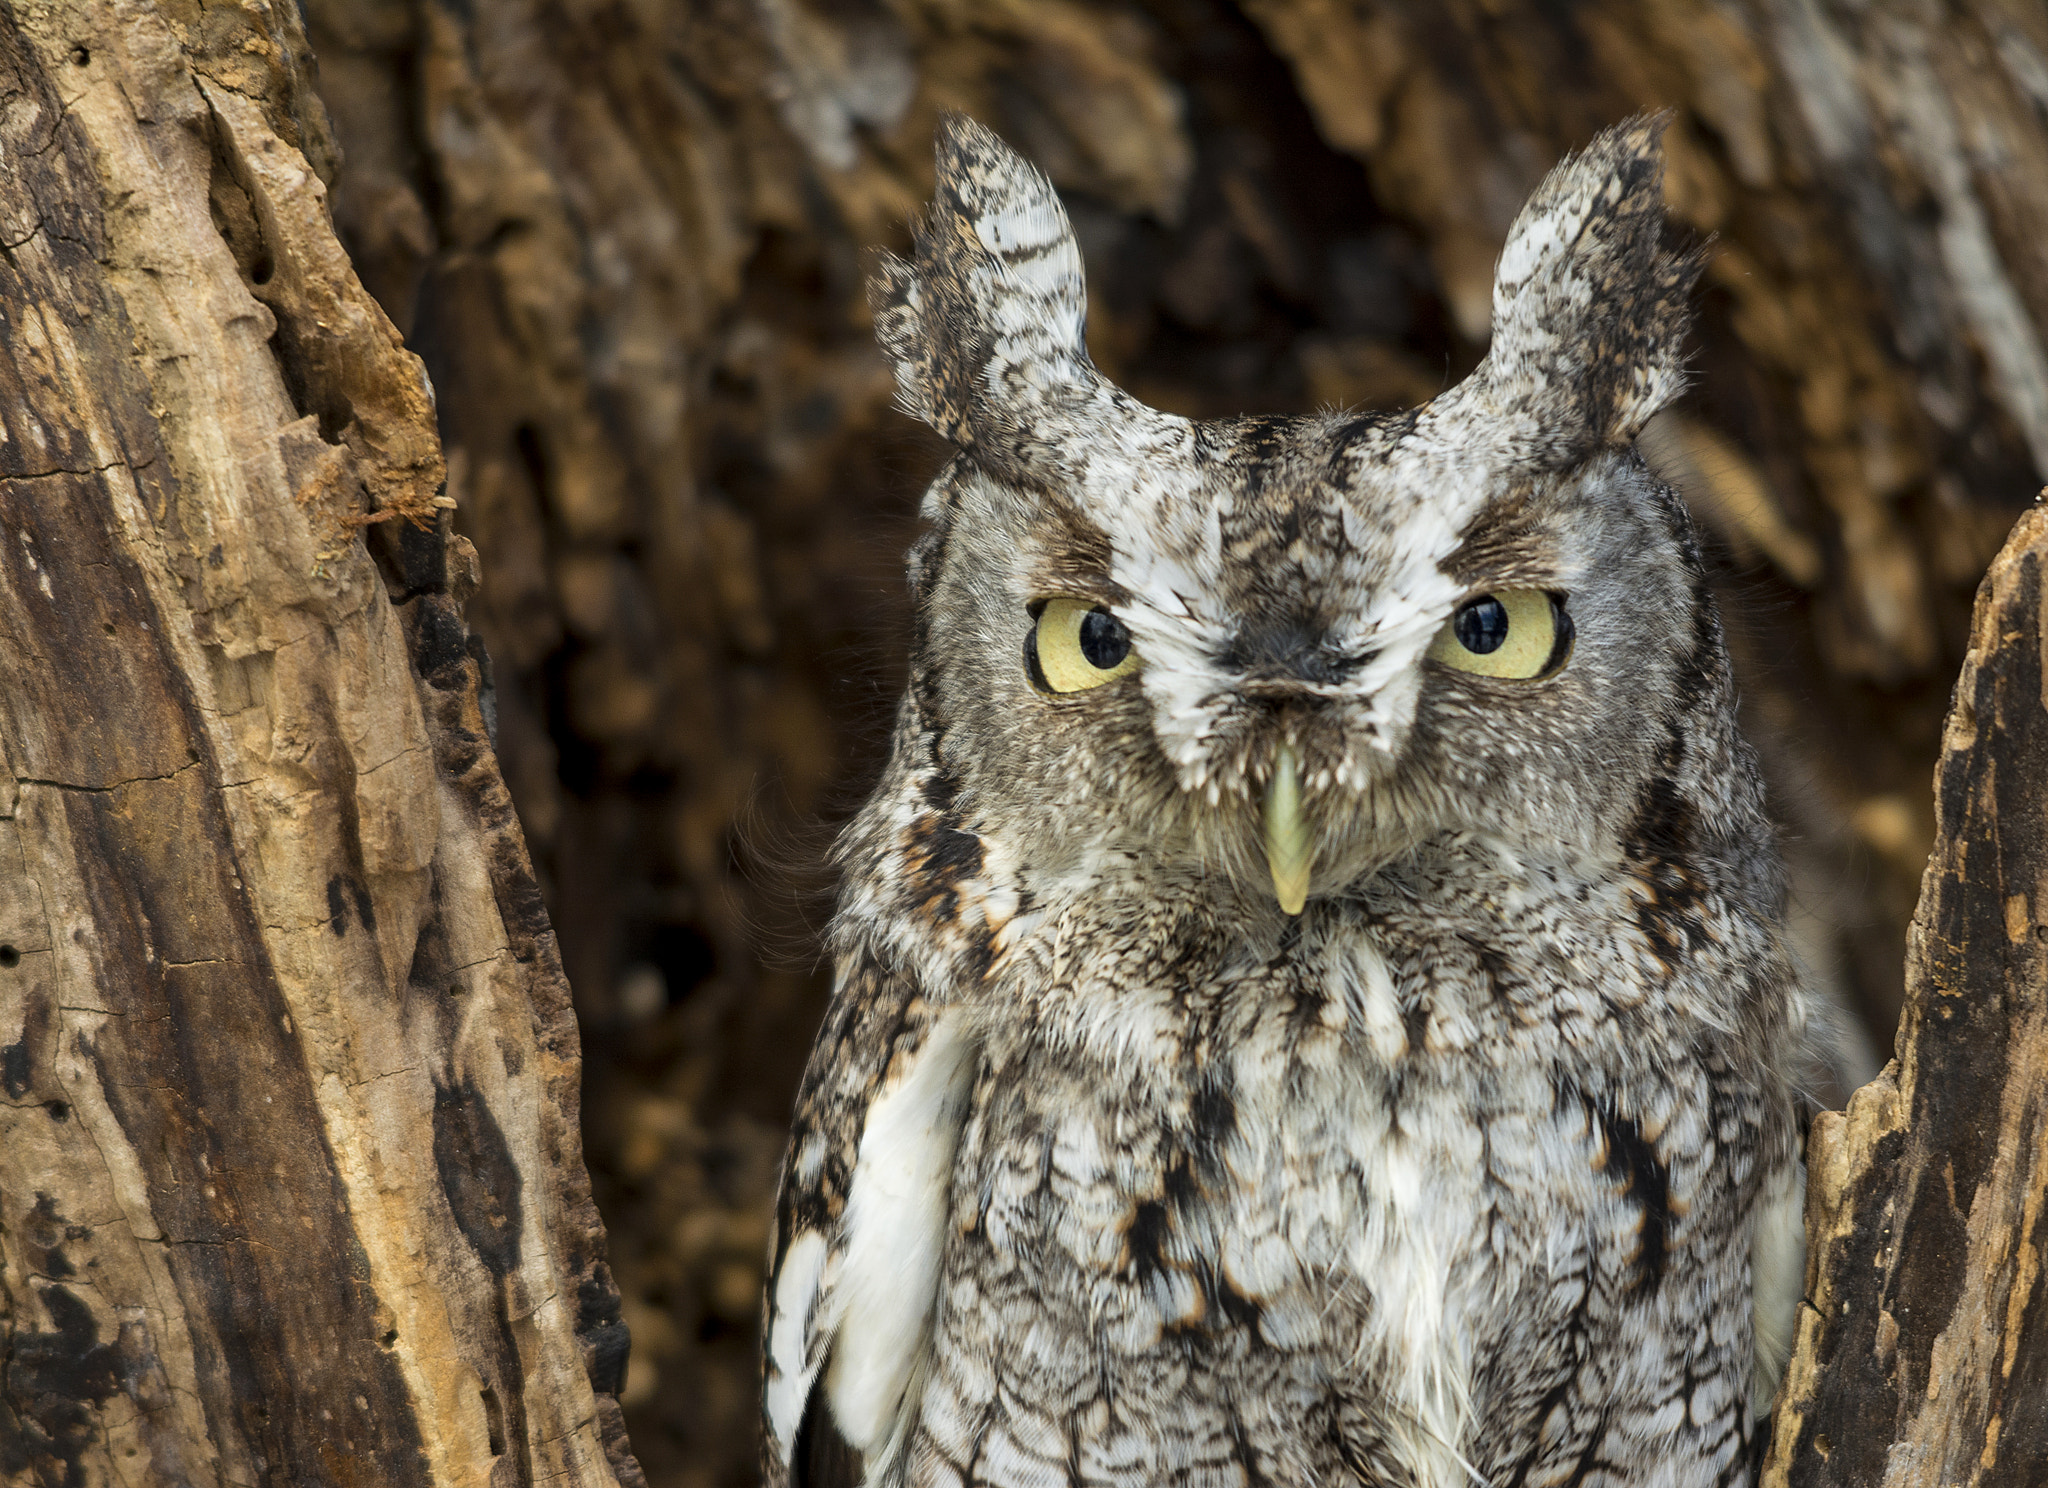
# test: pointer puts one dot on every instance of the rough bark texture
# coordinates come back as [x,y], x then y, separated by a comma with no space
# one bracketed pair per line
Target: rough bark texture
[625,240]
[1923,1349]
[291,1183]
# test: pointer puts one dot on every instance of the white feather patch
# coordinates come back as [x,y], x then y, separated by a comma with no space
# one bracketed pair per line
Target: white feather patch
[791,1364]
[895,1235]
[1777,1267]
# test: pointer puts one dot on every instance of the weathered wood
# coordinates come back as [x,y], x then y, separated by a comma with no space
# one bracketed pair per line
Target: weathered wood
[626,240]
[1922,1356]
[291,1186]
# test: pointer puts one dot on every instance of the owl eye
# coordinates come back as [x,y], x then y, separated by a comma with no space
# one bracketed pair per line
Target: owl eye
[1077,645]
[1514,633]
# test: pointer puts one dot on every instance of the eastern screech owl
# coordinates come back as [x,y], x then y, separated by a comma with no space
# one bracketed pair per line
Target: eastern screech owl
[1311,1004]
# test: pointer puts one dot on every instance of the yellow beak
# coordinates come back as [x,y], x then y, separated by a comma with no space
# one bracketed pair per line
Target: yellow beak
[1289,853]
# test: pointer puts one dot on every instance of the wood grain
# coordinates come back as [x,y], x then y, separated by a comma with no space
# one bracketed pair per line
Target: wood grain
[291,1186]
[1922,1357]
[626,242]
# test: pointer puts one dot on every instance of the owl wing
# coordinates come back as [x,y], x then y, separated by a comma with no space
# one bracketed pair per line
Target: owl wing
[1777,1270]
[860,1226]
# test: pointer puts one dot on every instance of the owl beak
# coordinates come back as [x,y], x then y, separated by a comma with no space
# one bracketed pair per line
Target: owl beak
[1289,852]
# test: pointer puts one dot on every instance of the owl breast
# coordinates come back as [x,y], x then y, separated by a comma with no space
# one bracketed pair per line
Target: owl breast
[1312,1216]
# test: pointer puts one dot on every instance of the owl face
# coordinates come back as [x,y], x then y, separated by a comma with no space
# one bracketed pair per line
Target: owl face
[1274,652]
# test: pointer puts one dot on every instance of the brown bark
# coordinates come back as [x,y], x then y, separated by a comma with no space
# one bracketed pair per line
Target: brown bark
[625,241]
[1923,1345]
[291,1185]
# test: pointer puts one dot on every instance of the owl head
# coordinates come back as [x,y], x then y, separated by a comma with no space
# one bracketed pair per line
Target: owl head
[1270,654]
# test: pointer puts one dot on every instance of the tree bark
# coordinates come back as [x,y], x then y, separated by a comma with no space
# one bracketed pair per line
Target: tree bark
[625,242]
[1922,1357]
[291,1185]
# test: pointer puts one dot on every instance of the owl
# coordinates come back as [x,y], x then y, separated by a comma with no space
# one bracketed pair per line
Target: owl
[1311,1002]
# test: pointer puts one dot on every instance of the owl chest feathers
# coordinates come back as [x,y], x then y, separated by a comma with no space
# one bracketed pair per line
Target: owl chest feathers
[1370,1165]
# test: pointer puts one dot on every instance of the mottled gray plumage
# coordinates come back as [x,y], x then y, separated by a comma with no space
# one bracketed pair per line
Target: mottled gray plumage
[1108,1169]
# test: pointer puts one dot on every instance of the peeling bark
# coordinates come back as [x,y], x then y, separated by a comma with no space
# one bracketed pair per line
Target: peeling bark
[291,1185]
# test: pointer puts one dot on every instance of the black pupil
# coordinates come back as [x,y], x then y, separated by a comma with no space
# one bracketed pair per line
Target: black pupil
[1482,626]
[1105,642]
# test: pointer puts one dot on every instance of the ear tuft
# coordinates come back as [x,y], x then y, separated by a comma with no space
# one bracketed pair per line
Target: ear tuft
[986,327]
[1590,303]
[898,309]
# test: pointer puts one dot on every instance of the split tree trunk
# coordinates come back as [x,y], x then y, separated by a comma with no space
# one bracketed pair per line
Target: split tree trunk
[291,1186]
[625,241]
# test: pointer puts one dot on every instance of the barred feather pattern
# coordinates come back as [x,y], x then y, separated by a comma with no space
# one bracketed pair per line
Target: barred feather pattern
[1108,1170]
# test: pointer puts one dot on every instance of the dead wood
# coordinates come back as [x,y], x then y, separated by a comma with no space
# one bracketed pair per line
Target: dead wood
[1922,1357]
[625,241]
[291,1185]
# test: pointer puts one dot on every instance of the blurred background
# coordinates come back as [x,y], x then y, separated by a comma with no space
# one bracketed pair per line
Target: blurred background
[626,236]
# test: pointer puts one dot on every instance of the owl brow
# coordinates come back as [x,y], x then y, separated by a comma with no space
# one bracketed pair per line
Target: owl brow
[1075,555]
[1074,582]
[1504,544]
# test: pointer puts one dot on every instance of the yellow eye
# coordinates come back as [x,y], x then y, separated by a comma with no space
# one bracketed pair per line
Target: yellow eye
[1515,633]
[1077,645]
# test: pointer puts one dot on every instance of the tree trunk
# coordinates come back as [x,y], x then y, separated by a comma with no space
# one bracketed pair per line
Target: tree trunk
[291,1185]
[625,241]
[1922,1357]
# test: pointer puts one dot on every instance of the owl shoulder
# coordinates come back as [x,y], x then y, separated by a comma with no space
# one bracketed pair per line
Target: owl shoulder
[860,1221]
